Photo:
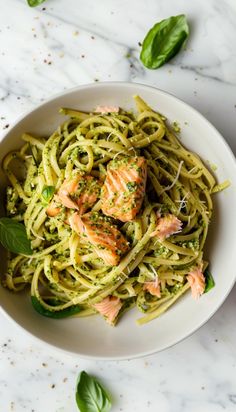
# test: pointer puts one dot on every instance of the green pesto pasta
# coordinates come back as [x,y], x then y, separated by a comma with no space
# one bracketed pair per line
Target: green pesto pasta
[64,269]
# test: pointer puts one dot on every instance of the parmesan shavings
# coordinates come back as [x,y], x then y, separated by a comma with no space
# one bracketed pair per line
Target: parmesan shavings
[193,168]
[183,202]
[156,280]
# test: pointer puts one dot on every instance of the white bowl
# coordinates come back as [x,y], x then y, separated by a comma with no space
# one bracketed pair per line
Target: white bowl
[91,337]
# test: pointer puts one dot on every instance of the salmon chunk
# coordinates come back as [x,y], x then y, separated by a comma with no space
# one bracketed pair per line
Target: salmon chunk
[109,307]
[124,188]
[108,241]
[196,280]
[79,192]
[53,209]
[167,226]
[153,288]
[107,109]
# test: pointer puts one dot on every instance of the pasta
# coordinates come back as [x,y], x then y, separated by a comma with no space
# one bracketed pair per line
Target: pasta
[161,246]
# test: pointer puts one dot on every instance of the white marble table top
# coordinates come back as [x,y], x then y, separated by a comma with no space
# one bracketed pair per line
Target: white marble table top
[64,43]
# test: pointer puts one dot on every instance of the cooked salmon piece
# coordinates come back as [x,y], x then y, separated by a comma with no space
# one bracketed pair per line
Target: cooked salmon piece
[107,109]
[79,192]
[196,280]
[153,288]
[124,188]
[109,308]
[167,226]
[109,243]
[53,209]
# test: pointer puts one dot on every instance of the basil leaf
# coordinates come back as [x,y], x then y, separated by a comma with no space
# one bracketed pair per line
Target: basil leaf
[209,281]
[47,193]
[90,395]
[64,313]
[164,41]
[13,236]
[34,3]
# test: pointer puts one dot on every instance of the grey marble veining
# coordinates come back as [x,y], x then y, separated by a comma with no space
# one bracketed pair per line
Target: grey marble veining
[64,43]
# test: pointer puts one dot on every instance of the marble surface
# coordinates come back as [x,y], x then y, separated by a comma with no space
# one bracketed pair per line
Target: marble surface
[64,43]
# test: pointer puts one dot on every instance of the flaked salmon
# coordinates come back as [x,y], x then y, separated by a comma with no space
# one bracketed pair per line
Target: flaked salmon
[196,280]
[167,226]
[153,288]
[109,243]
[79,192]
[53,209]
[124,188]
[107,109]
[109,308]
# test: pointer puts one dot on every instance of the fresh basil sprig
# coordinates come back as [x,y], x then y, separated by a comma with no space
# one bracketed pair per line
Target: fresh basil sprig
[13,236]
[47,193]
[59,314]
[209,281]
[163,41]
[90,395]
[34,3]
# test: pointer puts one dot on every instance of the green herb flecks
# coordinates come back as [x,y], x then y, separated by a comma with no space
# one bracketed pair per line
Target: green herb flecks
[176,127]
[90,395]
[13,236]
[164,41]
[131,186]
